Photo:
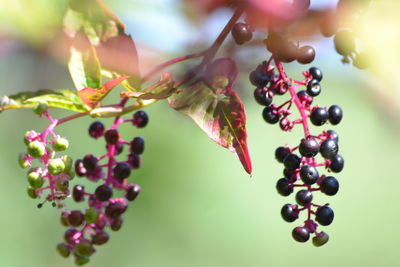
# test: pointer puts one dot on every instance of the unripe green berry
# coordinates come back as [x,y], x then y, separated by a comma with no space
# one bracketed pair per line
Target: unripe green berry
[320,239]
[91,215]
[84,248]
[56,166]
[36,149]
[35,180]
[67,162]
[28,134]
[63,250]
[31,192]
[23,163]
[40,108]
[71,174]
[62,185]
[82,260]
[60,144]
[50,152]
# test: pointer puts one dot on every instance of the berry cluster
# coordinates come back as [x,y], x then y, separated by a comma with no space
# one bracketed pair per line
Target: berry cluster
[56,172]
[88,228]
[300,162]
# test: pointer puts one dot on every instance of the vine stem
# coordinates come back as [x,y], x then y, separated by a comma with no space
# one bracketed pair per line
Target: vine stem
[296,100]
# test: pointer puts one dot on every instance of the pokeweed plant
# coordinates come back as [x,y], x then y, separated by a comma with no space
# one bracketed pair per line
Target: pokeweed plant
[99,48]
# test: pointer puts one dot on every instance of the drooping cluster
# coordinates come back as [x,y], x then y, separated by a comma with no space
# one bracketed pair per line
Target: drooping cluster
[301,161]
[51,178]
[106,205]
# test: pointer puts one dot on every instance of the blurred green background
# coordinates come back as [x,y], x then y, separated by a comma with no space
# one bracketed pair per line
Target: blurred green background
[198,207]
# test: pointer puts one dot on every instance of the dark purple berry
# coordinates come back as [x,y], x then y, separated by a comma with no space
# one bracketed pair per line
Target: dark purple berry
[284,187]
[103,192]
[335,114]
[96,129]
[134,160]
[100,238]
[270,115]
[331,134]
[309,174]
[306,54]
[90,162]
[337,163]
[316,73]
[292,162]
[259,78]
[329,185]
[76,218]
[261,97]
[137,145]
[289,212]
[140,119]
[288,173]
[319,116]
[69,235]
[309,147]
[324,215]
[301,234]
[117,223]
[329,148]
[112,136]
[119,147]
[303,197]
[121,171]
[114,210]
[304,97]
[79,168]
[132,192]
[281,153]
[78,193]
[313,87]
[241,33]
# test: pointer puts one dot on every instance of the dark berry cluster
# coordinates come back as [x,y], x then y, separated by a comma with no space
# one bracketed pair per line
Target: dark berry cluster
[56,171]
[106,205]
[301,162]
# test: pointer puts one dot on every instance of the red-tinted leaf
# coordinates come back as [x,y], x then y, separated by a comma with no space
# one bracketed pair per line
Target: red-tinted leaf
[161,90]
[217,109]
[92,97]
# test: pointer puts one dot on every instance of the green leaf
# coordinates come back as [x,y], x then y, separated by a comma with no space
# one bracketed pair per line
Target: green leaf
[65,99]
[161,90]
[217,109]
[91,97]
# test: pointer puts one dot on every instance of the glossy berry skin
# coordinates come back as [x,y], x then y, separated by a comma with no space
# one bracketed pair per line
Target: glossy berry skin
[289,213]
[309,174]
[301,234]
[117,223]
[259,78]
[36,149]
[241,33]
[112,136]
[121,171]
[319,116]
[114,210]
[292,162]
[288,173]
[262,97]
[284,187]
[76,218]
[333,135]
[335,114]
[329,148]
[96,129]
[90,162]
[78,193]
[337,163]
[316,73]
[80,170]
[100,238]
[134,160]
[309,147]
[140,119]
[304,97]
[270,115]
[103,192]
[324,215]
[132,192]
[303,197]
[137,145]
[313,87]
[320,239]
[306,54]
[329,185]
[281,153]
